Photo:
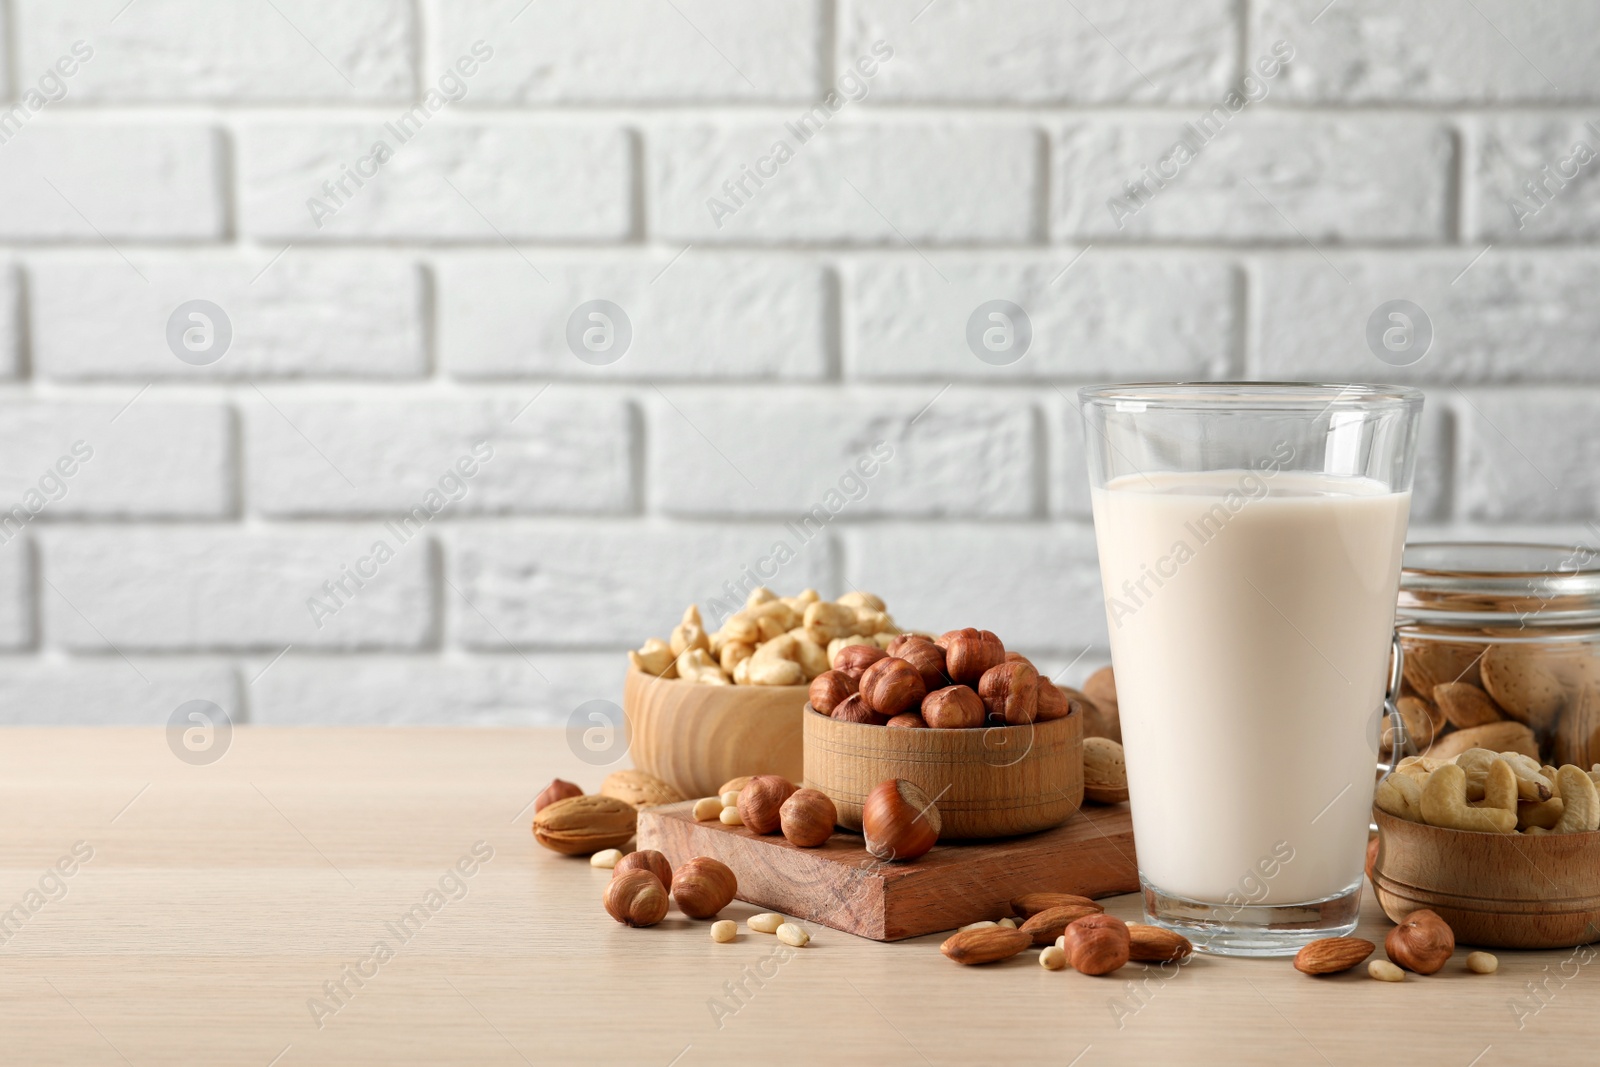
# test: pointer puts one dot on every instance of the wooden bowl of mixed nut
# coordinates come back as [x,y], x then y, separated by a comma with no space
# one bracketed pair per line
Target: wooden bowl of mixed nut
[1506,850]
[705,707]
[999,748]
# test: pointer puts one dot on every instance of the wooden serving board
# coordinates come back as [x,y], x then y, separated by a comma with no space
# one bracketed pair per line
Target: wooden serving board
[841,886]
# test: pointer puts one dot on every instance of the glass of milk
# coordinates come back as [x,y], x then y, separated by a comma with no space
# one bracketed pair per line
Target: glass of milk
[1249,536]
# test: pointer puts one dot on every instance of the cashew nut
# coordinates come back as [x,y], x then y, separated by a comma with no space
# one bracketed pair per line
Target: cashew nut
[1419,767]
[654,658]
[833,620]
[1401,796]
[690,633]
[1444,803]
[1532,785]
[696,665]
[760,595]
[734,653]
[857,599]
[740,626]
[869,621]
[812,655]
[1540,816]
[1580,800]
[845,642]
[1500,788]
[776,662]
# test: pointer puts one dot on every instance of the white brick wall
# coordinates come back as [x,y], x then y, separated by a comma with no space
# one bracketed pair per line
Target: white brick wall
[564,152]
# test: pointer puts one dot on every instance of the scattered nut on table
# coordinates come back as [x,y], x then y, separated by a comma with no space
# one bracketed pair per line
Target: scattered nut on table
[765,923]
[793,935]
[1384,971]
[724,930]
[1482,962]
[606,857]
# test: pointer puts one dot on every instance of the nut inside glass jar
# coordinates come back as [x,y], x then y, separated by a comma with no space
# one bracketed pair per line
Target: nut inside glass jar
[1502,649]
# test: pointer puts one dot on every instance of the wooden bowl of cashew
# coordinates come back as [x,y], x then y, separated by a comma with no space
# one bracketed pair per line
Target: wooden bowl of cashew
[1499,890]
[697,736]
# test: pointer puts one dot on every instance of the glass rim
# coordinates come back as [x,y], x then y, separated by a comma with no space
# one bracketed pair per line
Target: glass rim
[1255,396]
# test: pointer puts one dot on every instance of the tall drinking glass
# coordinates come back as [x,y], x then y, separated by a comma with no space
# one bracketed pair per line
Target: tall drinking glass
[1249,537]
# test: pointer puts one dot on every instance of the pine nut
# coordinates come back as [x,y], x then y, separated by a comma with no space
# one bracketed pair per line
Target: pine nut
[1052,958]
[724,930]
[1061,942]
[984,925]
[1482,962]
[765,923]
[1384,971]
[730,798]
[606,857]
[707,808]
[1009,924]
[731,817]
[790,934]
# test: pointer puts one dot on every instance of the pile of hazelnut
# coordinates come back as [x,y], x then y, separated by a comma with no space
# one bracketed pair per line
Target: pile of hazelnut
[959,680]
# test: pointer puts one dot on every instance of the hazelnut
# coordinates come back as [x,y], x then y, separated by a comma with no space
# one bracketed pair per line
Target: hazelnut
[703,887]
[761,800]
[646,859]
[891,686]
[908,720]
[556,790]
[853,659]
[928,659]
[1054,703]
[1097,944]
[636,898]
[968,653]
[1017,657]
[899,821]
[955,707]
[807,818]
[1423,942]
[904,641]
[829,689]
[1010,693]
[854,709]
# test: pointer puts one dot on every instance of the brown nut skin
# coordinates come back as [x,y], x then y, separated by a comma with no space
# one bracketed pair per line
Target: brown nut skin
[908,720]
[1332,955]
[807,818]
[646,859]
[899,821]
[1010,693]
[969,652]
[1097,944]
[704,886]
[989,945]
[903,641]
[636,899]
[1423,942]
[891,686]
[1051,923]
[928,659]
[854,709]
[556,790]
[829,689]
[955,707]
[1156,944]
[761,802]
[1053,703]
[853,659]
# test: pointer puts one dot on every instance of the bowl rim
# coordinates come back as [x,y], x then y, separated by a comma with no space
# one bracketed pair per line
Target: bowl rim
[657,679]
[1379,815]
[985,728]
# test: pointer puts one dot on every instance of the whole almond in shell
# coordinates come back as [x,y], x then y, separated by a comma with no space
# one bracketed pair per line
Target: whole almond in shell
[639,789]
[989,945]
[1465,705]
[1105,775]
[582,826]
[1330,955]
[1420,726]
[1502,736]
[1045,926]
[1521,681]
[1030,904]
[1429,663]
[1157,944]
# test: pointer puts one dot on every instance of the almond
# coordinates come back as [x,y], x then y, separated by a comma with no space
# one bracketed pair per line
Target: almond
[582,826]
[1156,944]
[1429,663]
[1522,683]
[639,789]
[1105,775]
[1030,904]
[1331,955]
[989,945]
[1465,705]
[1049,924]
[1502,736]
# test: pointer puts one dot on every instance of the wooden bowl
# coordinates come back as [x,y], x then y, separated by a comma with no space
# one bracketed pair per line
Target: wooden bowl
[698,736]
[1495,890]
[994,782]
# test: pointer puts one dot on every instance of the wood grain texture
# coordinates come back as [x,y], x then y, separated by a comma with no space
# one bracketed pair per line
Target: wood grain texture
[217,904]
[1496,890]
[987,782]
[699,736]
[840,885]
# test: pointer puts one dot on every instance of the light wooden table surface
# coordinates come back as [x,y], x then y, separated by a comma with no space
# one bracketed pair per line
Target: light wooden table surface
[219,900]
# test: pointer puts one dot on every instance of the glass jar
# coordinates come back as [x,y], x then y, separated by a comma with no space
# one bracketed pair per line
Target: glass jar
[1502,649]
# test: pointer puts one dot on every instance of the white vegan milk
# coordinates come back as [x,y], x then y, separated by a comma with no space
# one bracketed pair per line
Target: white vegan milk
[1251,615]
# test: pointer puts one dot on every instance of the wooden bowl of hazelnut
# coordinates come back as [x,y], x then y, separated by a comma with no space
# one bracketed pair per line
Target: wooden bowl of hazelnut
[1507,851]
[998,747]
[704,706]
